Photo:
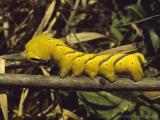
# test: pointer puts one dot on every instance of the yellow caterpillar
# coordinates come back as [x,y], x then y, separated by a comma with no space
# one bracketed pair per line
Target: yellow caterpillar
[44,47]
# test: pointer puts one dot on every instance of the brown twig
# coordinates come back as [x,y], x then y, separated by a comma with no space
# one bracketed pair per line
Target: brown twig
[78,83]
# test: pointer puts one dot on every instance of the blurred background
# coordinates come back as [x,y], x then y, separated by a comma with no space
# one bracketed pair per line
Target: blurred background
[89,26]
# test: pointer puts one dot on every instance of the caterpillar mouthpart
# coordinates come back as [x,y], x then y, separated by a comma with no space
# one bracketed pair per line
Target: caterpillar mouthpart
[36,59]
[40,61]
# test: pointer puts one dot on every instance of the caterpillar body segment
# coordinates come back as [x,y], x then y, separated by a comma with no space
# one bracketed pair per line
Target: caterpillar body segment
[59,51]
[66,62]
[141,58]
[92,65]
[130,64]
[106,67]
[78,64]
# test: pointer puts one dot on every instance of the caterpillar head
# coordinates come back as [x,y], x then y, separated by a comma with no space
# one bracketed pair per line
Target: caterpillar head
[40,47]
[36,52]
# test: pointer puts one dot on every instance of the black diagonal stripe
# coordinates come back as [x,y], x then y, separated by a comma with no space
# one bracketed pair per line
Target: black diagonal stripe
[61,45]
[120,58]
[80,56]
[67,47]
[92,58]
[106,59]
[70,52]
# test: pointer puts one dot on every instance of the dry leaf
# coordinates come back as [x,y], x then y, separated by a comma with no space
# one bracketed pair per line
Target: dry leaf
[123,49]
[83,37]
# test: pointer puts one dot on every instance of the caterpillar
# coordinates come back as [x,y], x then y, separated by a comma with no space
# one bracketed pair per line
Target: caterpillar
[43,48]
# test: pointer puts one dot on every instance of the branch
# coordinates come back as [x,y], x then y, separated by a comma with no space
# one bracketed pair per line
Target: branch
[78,83]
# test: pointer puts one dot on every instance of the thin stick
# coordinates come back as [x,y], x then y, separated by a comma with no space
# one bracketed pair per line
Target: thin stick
[78,83]
[139,21]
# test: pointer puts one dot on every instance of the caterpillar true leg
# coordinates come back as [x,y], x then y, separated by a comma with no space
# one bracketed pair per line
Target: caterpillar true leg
[79,63]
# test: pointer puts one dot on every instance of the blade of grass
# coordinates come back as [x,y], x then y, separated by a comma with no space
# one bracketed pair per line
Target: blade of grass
[22,100]
[3,96]
[139,21]
[139,32]
[46,18]
[72,15]
[53,21]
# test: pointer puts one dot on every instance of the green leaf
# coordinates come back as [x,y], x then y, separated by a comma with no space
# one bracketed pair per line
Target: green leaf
[105,104]
[147,113]
[117,33]
[155,39]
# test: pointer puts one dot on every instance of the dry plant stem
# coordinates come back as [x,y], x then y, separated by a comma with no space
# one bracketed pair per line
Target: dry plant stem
[52,23]
[46,73]
[3,96]
[68,23]
[79,83]
[46,18]
[44,112]
[139,21]
[84,49]
[49,29]
[53,93]
[22,100]
[72,15]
